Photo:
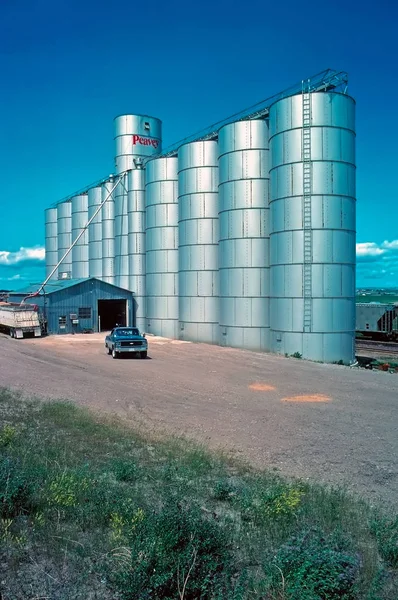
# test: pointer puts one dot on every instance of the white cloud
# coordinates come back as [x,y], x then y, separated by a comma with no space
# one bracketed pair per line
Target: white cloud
[377,263]
[23,255]
[369,249]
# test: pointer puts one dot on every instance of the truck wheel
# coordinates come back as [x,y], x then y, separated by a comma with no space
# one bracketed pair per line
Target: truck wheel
[144,354]
[12,333]
[109,351]
[114,353]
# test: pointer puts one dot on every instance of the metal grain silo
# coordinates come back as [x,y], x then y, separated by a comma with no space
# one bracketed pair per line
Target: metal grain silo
[244,235]
[108,232]
[121,235]
[64,228]
[95,233]
[136,137]
[161,191]
[80,249]
[136,241]
[312,242]
[51,240]
[198,242]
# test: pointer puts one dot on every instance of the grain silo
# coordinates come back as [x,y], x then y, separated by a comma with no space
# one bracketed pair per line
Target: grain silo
[95,233]
[80,249]
[198,242]
[162,246]
[136,137]
[121,235]
[136,241]
[64,228]
[51,241]
[108,232]
[312,249]
[244,235]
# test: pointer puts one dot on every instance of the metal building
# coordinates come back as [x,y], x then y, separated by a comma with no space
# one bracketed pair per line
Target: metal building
[64,228]
[108,232]
[121,235]
[198,242]
[312,241]
[51,241]
[162,247]
[136,240]
[244,235]
[80,249]
[95,233]
[81,305]
[136,137]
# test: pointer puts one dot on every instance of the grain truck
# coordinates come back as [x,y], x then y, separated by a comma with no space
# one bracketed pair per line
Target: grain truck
[20,319]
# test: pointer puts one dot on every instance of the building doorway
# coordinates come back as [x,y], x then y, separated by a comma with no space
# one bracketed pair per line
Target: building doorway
[111,313]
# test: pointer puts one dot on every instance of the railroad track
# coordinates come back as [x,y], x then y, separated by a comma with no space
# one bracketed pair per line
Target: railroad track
[381,348]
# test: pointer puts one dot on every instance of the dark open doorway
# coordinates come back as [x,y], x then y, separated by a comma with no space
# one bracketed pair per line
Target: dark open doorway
[111,313]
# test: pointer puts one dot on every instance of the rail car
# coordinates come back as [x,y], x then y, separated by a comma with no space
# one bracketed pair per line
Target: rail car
[377,321]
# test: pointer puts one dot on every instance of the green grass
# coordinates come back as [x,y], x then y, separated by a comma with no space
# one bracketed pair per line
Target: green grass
[90,508]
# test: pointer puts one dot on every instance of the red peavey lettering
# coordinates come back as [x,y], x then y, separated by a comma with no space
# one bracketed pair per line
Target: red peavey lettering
[145,141]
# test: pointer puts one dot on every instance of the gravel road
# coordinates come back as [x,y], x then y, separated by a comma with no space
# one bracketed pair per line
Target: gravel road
[323,422]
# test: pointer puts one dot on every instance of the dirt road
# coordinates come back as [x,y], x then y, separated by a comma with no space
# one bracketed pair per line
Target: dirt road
[324,422]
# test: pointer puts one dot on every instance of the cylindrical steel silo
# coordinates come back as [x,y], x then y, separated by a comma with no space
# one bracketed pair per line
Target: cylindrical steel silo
[312,241]
[198,242]
[244,235]
[161,191]
[136,241]
[95,233]
[79,250]
[108,232]
[64,228]
[136,137]
[121,235]
[51,241]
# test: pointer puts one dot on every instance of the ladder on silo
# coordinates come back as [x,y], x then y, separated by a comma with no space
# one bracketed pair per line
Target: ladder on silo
[307,221]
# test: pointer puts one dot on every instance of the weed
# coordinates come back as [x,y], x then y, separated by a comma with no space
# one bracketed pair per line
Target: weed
[223,490]
[296,355]
[65,489]
[7,435]
[386,533]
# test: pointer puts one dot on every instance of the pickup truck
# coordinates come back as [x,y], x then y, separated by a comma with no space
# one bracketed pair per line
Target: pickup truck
[126,339]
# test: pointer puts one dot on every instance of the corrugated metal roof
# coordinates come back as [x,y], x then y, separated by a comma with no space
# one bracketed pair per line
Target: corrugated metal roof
[51,286]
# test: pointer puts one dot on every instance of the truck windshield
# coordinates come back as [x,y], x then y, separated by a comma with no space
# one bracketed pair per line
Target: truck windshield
[127,332]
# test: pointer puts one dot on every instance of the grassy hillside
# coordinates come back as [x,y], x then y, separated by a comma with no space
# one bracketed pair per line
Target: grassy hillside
[90,509]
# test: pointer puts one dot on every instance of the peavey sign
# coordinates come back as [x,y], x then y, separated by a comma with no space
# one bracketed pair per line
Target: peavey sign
[145,141]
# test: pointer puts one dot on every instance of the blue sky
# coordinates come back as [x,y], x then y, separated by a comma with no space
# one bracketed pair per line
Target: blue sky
[69,67]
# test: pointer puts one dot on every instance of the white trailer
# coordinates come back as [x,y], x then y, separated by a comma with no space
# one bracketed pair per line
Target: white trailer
[16,319]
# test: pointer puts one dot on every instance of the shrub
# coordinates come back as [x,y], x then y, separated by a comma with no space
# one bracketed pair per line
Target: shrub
[175,553]
[311,566]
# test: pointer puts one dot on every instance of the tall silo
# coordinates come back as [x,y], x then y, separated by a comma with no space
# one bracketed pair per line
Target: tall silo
[312,242]
[244,235]
[161,191]
[51,241]
[64,228]
[121,235]
[95,233]
[108,232]
[198,242]
[136,137]
[80,249]
[136,241]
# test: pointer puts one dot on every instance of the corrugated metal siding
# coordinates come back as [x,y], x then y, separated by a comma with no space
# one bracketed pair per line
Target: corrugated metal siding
[86,294]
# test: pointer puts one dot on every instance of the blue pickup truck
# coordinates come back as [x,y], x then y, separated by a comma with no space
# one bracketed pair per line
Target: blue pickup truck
[123,340]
